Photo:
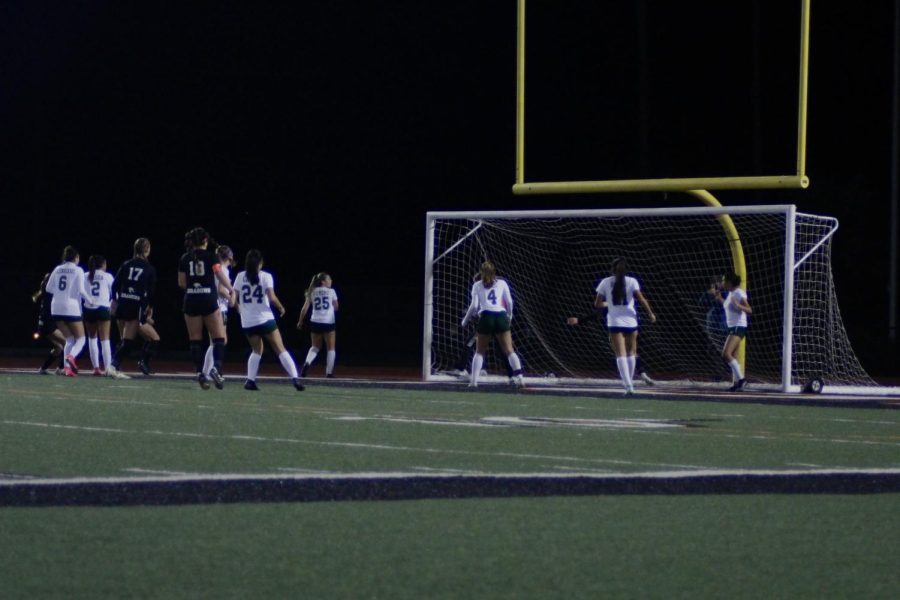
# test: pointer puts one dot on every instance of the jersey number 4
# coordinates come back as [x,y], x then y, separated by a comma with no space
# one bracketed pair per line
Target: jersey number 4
[492,297]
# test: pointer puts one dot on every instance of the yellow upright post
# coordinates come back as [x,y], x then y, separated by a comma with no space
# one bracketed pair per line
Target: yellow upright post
[737,254]
[520,96]
[804,88]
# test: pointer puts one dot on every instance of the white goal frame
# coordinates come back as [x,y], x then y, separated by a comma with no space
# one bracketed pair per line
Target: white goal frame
[791,262]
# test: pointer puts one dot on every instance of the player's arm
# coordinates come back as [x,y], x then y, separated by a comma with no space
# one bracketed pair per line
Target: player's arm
[744,305]
[334,300]
[591,316]
[223,280]
[473,308]
[303,312]
[274,301]
[508,301]
[643,300]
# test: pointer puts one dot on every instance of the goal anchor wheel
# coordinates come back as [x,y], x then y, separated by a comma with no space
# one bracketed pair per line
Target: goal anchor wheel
[814,386]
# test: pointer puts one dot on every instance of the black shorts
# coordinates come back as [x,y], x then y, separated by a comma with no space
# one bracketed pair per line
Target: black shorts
[128,310]
[46,326]
[321,327]
[625,330]
[95,315]
[68,318]
[200,306]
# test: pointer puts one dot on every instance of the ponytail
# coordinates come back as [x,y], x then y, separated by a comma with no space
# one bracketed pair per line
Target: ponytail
[251,265]
[94,263]
[618,291]
[315,282]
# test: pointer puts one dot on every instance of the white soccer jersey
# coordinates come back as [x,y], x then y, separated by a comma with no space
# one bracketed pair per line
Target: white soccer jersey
[734,316]
[254,299]
[620,315]
[98,293]
[66,283]
[322,301]
[495,299]
[223,301]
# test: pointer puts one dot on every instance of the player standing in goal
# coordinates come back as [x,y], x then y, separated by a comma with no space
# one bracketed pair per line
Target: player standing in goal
[736,311]
[492,303]
[256,295]
[618,292]
[323,301]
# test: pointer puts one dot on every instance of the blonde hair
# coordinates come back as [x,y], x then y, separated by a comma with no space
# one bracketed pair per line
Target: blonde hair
[316,281]
[488,273]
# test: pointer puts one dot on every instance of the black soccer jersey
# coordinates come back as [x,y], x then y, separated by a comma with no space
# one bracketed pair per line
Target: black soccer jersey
[199,267]
[135,281]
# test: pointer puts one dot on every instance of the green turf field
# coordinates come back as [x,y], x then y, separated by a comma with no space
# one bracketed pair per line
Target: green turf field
[805,545]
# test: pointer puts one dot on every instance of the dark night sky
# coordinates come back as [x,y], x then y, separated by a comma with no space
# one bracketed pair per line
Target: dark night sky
[322,133]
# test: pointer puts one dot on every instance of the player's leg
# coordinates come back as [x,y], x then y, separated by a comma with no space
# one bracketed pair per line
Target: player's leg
[284,357]
[103,334]
[330,341]
[504,339]
[729,354]
[481,346]
[256,351]
[93,345]
[151,342]
[315,342]
[617,343]
[215,326]
[128,331]
[631,352]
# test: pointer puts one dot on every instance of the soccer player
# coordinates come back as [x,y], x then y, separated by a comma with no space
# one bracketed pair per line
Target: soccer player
[66,283]
[226,258]
[199,270]
[618,292]
[134,285]
[323,301]
[736,310]
[48,330]
[256,295]
[492,303]
[595,315]
[98,297]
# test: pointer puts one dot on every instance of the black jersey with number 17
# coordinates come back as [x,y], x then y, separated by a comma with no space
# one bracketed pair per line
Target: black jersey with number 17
[199,267]
[135,281]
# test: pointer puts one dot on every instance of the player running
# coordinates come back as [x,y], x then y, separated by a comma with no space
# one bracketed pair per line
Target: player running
[256,296]
[323,301]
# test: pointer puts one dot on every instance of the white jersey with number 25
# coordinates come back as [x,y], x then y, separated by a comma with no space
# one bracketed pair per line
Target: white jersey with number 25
[322,301]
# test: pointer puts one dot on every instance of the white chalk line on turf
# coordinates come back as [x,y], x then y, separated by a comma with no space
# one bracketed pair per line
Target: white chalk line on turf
[650,475]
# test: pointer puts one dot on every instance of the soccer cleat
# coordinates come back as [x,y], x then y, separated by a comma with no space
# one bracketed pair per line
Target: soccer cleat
[329,376]
[217,378]
[203,381]
[299,386]
[303,369]
[519,381]
[647,379]
[251,385]
[629,391]
[740,385]
[43,372]
[60,371]
[97,372]
[70,362]
[69,372]
[145,368]
[113,372]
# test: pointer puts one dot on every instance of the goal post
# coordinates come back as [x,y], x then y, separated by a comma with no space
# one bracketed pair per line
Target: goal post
[553,260]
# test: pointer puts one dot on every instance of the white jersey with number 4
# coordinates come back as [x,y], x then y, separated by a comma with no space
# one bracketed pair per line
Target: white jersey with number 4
[98,293]
[495,299]
[254,299]
[66,283]
[620,315]
[322,301]
[734,316]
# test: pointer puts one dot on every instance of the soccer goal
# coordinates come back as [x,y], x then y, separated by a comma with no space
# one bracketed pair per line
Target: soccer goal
[553,261]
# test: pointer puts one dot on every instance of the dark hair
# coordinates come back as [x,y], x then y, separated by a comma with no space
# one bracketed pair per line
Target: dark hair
[69,253]
[733,278]
[618,292]
[315,282]
[251,265]
[42,289]
[94,263]
[141,245]
[195,238]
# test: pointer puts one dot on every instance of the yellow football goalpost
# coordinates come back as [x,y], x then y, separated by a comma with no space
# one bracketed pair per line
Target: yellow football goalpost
[698,187]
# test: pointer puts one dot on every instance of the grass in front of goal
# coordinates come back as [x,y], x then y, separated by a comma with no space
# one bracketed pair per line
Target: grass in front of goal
[753,545]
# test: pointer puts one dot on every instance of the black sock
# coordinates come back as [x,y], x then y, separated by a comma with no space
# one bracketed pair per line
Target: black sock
[197,355]
[50,358]
[122,352]
[149,352]
[218,353]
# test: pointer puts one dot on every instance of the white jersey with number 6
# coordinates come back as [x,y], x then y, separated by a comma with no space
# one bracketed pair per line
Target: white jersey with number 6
[620,315]
[254,299]
[98,293]
[66,283]
[322,301]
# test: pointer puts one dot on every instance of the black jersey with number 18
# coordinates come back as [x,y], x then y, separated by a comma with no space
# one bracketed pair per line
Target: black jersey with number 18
[200,294]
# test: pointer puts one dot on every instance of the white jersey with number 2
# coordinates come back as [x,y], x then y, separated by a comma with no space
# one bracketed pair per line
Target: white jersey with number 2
[254,299]
[98,293]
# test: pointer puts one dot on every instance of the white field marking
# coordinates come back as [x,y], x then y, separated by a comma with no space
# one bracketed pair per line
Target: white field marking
[311,471]
[806,465]
[411,475]
[448,471]
[833,420]
[582,423]
[565,468]
[391,419]
[69,427]
[159,472]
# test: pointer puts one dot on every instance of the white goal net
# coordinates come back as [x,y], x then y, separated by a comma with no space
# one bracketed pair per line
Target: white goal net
[553,261]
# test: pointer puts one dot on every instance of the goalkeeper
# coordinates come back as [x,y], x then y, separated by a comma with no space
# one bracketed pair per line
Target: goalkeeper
[595,315]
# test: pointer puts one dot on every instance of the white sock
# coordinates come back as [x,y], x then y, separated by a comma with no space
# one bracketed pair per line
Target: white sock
[736,369]
[515,363]
[329,362]
[78,346]
[208,360]
[67,349]
[477,362]
[94,351]
[288,363]
[632,361]
[106,347]
[311,355]
[253,365]
[624,372]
